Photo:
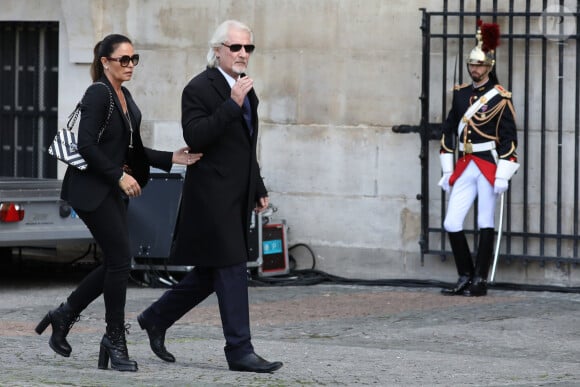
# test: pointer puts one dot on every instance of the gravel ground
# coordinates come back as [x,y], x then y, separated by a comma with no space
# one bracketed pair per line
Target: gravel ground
[326,335]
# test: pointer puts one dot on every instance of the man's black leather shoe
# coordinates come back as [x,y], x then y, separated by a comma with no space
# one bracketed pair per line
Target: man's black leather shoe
[462,283]
[156,340]
[254,363]
[477,288]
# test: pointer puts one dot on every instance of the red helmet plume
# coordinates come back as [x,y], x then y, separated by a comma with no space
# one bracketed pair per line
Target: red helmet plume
[489,35]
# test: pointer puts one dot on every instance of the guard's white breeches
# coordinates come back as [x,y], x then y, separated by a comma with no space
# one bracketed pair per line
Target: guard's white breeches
[469,185]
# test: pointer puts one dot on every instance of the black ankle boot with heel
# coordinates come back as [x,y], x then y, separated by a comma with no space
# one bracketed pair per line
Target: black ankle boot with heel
[61,319]
[114,348]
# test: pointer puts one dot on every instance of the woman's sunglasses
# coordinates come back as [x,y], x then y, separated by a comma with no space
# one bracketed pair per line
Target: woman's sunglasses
[125,59]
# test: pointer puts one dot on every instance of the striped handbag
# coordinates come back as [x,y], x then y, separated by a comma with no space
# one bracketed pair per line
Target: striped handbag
[64,144]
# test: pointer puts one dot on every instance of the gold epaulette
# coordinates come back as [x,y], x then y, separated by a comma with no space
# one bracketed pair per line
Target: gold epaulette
[503,92]
[458,86]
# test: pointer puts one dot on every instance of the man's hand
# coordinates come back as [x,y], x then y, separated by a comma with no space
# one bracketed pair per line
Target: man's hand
[444,182]
[241,88]
[500,185]
[446,160]
[262,204]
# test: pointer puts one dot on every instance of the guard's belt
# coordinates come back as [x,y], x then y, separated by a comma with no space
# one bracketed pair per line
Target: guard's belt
[481,147]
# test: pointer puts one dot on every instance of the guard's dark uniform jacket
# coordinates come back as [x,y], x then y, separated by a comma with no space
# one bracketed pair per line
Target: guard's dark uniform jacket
[489,135]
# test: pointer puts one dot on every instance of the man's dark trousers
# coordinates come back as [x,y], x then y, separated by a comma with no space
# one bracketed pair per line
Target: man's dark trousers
[230,284]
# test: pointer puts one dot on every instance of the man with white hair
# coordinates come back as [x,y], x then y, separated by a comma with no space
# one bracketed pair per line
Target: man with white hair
[219,120]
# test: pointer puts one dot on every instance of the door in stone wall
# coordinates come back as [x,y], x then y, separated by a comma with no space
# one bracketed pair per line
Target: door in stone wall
[28,97]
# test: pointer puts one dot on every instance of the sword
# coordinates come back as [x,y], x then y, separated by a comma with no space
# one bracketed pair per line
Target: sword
[498,242]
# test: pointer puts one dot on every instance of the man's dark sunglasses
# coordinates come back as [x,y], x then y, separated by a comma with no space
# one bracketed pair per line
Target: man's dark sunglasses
[125,59]
[237,47]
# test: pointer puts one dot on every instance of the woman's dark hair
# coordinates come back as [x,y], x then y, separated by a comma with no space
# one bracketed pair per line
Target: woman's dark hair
[105,48]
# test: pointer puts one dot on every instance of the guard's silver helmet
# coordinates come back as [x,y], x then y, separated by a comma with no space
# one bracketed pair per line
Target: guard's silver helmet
[487,40]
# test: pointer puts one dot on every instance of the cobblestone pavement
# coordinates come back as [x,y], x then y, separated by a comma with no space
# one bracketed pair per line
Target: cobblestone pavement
[326,335]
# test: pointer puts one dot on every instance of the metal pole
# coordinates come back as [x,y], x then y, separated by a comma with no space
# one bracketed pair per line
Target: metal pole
[425,134]
[498,242]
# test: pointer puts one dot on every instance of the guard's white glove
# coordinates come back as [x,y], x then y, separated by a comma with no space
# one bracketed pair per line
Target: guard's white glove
[500,185]
[504,172]
[447,169]
[444,182]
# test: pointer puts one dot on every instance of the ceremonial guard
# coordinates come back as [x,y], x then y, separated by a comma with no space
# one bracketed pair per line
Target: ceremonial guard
[481,127]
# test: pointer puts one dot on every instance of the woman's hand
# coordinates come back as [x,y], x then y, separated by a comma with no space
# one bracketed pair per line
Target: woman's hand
[183,157]
[129,185]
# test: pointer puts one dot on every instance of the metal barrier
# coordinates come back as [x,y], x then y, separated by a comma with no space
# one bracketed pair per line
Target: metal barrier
[538,60]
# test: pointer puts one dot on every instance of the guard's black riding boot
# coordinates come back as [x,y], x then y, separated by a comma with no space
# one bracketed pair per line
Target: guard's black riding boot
[114,347]
[463,262]
[61,319]
[478,285]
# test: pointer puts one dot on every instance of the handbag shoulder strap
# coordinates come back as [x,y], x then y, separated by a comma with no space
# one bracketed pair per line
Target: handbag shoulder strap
[72,118]
[110,112]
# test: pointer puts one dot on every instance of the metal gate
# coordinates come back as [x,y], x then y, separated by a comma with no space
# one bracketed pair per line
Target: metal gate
[28,97]
[538,60]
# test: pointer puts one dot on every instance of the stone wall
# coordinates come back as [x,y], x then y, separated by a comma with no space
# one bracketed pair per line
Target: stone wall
[333,77]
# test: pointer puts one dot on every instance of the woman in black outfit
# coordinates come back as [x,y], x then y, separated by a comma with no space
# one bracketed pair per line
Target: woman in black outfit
[118,168]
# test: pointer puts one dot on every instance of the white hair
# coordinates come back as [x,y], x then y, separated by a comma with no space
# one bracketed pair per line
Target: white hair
[221,36]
